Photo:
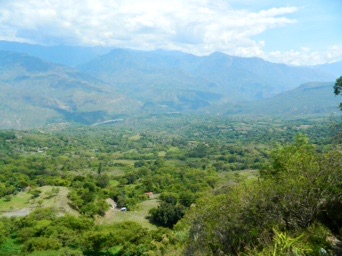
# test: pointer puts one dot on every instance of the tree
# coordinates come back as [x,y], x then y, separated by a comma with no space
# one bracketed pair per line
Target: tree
[297,190]
[167,214]
[338,88]
[41,244]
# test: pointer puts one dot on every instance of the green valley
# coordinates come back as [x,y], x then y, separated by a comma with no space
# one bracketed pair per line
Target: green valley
[166,184]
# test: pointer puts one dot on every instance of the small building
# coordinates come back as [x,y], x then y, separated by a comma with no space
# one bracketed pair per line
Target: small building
[150,194]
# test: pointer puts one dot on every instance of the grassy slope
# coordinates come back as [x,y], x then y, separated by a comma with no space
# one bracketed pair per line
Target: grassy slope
[307,99]
[22,203]
[138,215]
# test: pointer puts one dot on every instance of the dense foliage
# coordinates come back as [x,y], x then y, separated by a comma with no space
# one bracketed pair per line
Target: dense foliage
[200,173]
[338,88]
[298,192]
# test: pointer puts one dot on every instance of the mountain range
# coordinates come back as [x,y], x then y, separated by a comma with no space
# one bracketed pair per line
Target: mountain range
[231,79]
[34,93]
[307,99]
[61,54]
[41,85]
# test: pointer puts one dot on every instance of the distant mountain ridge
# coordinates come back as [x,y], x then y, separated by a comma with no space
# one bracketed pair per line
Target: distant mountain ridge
[308,99]
[60,54]
[331,68]
[36,92]
[233,78]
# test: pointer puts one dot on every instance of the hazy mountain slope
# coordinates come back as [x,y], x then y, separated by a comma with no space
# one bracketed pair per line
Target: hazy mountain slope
[65,55]
[253,78]
[332,68]
[153,78]
[231,78]
[34,92]
[309,98]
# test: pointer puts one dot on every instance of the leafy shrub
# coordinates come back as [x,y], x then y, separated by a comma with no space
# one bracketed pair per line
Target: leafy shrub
[41,244]
[298,188]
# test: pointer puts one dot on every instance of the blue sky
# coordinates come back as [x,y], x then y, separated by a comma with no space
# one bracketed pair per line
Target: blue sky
[298,32]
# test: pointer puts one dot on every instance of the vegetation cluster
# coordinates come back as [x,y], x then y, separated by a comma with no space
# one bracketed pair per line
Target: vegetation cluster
[249,186]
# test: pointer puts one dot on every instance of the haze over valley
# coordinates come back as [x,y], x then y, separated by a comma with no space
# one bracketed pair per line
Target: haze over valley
[40,89]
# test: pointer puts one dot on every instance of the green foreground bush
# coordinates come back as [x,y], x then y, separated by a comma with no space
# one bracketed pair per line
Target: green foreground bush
[297,196]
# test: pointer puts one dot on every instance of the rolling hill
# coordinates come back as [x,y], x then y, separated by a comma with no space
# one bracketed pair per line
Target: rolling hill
[331,68]
[35,93]
[160,75]
[61,54]
[307,99]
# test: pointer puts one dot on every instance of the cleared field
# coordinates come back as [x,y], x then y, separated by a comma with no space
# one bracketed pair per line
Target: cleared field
[240,175]
[58,201]
[19,201]
[125,161]
[232,178]
[139,214]
[161,153]
[51,196]
[135,137]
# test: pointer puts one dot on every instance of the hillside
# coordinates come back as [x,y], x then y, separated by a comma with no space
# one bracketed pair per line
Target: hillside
[307,99]
[152,185]
[331,68]
[61,54]
[34,93]
[153,78]
[223,77]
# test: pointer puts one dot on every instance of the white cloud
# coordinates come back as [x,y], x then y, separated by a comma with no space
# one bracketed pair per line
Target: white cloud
[195,26]
[199,26]
[306,56]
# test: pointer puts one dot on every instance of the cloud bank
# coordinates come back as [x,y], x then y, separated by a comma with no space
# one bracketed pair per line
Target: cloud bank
[195,26]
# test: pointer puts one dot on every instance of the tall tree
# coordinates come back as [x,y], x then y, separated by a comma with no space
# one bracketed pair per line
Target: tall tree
[338,88]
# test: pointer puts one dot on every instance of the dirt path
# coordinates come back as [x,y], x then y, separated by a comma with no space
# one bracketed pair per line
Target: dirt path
[110,213]
[19,213]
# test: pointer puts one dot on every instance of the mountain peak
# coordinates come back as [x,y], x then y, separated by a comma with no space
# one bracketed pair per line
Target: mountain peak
[29,63]
[218,54]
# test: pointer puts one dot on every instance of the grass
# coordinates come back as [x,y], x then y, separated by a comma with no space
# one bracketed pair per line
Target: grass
[125,161]
[161,153]
[173,149]
[243,174]
[58,201]
[19,201]
[135,137]
[139,214]
[116,172]
[50,196]
[113,183]
[234,177]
